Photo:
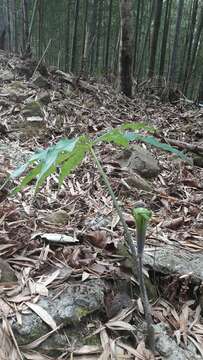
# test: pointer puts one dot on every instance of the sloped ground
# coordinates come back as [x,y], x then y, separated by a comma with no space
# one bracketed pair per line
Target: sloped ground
[36,112]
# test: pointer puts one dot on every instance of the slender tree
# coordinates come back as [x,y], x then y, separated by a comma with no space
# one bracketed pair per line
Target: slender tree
[146,37]
[67,36]
[155,34]
[173,65]
[108,36]
[75,30]
[165,37]
[136,36]
[83,68]
[190,40]
[200,92]
[126,47]
[92,37]
[195,46]
[25,27]
[98,38]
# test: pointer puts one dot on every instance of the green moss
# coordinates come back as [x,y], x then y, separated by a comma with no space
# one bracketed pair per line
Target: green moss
[81,312]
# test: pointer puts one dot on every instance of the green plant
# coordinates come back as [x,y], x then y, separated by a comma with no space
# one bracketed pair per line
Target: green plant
[67,154]
[142,217]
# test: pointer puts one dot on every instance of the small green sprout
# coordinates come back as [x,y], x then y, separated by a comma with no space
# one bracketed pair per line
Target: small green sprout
[142,217]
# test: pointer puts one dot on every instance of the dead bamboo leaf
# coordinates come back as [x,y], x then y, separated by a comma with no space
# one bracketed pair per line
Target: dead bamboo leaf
[43,314]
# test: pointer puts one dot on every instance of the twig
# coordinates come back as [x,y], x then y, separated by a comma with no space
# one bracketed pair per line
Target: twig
[42,57]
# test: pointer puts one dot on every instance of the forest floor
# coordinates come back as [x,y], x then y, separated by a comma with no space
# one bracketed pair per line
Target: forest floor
[35,113]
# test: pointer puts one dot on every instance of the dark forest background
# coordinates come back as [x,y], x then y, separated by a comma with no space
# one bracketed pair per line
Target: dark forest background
[83,37]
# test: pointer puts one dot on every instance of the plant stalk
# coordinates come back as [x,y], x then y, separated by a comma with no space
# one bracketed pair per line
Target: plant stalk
[150,338]
[127,234]
[142,216]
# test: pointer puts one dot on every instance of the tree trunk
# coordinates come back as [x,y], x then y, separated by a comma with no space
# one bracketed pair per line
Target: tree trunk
[155,35]
[83,67]
[200,94]
[25,27]
[165,37]
[40,27]
[195,46]
[74,46]
[3,26]
[67,37]
[126,47]
[108,36]
[136,37]
[98,39]
[141,59]
[173,65]
[191,37]
[93,34]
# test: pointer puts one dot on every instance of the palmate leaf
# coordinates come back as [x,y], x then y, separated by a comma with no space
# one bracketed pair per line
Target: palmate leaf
[28,178]
[137,127]
[151,140]
[114,136]
[38,156]
[72,162]
[67,154]
[45,155]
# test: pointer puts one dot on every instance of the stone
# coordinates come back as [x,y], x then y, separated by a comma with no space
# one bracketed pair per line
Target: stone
[70,307]
[137,159]
[168,348]
[59,217]
[40,81]
[7,274]
[44,98]
[136,181]
[169,261]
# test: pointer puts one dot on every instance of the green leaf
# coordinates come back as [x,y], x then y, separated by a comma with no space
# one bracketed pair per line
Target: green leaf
[48,166]
[38,156]
[66,145]
[72,162]
[154,142]
[137,127]
[29,177]
[151,140]
[42,178]
[19,171]
[114,136]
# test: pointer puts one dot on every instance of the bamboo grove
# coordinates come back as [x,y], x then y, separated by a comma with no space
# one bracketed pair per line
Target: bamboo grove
[84,36]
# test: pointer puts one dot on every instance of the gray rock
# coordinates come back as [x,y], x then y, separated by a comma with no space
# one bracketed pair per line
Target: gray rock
[70,308]
[44,98]
[169,260]
[40,81]
[169,349]
[7,274]
[139,160]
